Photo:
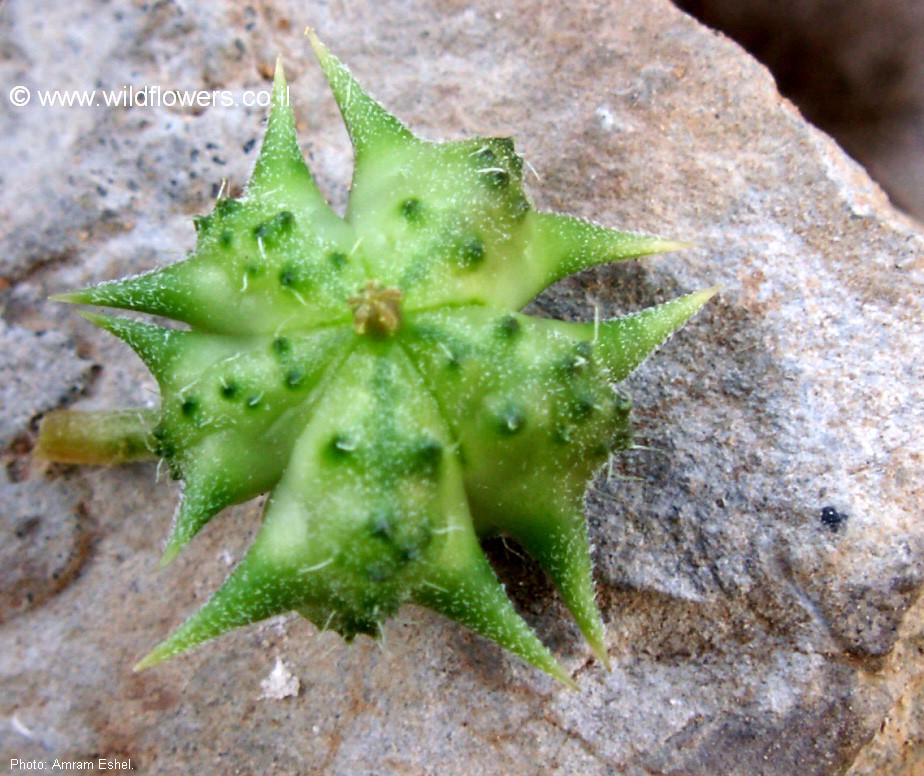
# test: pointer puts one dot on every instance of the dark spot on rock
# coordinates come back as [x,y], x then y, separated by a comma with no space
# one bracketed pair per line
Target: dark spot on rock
[49,558]
[832,519]
[248,146]
[27,526]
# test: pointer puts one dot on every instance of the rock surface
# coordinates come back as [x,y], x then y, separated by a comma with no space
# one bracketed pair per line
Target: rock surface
[854,67]
[38,370]
[759,560]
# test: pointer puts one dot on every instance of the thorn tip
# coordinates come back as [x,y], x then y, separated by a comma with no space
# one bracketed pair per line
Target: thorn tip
[68,297]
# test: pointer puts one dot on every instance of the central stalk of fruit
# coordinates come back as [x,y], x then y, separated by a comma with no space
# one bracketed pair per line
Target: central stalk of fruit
[376,310]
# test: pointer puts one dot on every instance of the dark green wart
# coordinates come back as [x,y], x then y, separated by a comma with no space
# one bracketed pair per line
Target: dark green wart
[371,372]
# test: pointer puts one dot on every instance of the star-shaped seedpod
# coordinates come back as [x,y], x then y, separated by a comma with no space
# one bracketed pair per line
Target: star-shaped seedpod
[373,375]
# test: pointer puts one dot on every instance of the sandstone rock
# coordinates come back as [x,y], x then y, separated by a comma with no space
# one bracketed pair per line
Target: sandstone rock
[39,370]
[756,558]
[47,539]
[854,67]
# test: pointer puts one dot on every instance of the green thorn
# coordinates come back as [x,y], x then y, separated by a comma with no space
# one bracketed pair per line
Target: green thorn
[148,661]
[557,539]
[170,552]
[163,291]
[281,160]
[251,593]
[196,509]
[565,245]
[70,297]
[624,343]
[472,596]
[367,122]
[155,345]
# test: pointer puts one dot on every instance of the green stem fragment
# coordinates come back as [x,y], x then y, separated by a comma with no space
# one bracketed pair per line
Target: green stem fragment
[101,438]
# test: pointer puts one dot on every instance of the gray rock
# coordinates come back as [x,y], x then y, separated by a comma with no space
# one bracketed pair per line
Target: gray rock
[757,555]
[38,371]
[854,68]
[47,540]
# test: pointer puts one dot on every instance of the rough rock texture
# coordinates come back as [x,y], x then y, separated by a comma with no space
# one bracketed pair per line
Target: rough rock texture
[854,67]
[28,353]
[760,559]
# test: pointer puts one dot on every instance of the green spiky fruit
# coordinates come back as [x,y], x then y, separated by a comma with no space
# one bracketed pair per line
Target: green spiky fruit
[372,374]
